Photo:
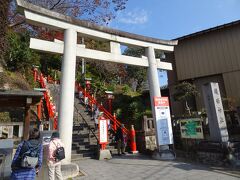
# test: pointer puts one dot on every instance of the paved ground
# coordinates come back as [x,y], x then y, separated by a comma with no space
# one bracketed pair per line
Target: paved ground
[137,168]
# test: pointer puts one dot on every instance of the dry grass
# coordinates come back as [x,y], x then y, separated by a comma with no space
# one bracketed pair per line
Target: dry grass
[13,81]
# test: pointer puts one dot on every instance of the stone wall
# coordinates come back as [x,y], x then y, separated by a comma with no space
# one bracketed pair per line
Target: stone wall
[146,139]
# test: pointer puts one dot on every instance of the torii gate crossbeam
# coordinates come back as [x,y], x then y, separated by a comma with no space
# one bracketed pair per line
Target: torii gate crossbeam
[70,50]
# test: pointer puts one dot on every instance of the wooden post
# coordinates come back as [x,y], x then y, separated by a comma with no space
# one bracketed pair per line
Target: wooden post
[26,122]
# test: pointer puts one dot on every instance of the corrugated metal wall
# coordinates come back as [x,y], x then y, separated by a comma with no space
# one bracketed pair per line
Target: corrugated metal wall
[232,84]
[214,52]
[199,82]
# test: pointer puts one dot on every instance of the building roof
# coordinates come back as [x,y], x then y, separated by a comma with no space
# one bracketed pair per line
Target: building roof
[88,24]
[16,98]
[21,93]
[233,23]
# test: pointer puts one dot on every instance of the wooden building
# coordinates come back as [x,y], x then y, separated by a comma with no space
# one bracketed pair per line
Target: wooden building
[24,99]
[211,55]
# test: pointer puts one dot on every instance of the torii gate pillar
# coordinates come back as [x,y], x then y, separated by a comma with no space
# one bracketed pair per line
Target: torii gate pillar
[154,88]
[153,81]
[66,106]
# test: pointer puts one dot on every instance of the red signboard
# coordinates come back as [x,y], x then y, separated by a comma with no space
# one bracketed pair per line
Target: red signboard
[161,101]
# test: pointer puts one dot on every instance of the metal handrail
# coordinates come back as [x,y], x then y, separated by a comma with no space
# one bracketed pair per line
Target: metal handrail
[86,123]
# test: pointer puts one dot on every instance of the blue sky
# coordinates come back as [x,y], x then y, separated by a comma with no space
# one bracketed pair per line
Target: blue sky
[169,19]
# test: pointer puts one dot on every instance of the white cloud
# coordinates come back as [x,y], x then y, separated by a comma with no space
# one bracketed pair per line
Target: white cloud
[136,16]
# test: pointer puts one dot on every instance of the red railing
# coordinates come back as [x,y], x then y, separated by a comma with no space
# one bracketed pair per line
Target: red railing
[51,110]
[50,106]
[42,80]
[101,108]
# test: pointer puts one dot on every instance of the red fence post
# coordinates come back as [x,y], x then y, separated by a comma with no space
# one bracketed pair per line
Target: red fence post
[114,122]
[55,122]
[39,109]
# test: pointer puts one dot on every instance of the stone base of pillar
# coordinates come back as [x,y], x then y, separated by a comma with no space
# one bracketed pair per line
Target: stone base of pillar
[164,155]
[104,154]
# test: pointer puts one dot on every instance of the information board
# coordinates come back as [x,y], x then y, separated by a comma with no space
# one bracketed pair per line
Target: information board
[163,120]
[103,130]
[191,128]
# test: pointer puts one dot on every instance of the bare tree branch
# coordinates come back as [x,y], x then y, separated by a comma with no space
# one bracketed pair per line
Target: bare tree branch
[55,4]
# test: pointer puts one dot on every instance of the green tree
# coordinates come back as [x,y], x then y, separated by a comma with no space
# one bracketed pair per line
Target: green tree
[50,63]
[19,56]
[4,6]
[135,73]
[183,92]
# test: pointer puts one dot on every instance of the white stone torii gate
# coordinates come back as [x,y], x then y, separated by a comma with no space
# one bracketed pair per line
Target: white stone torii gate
[70,49]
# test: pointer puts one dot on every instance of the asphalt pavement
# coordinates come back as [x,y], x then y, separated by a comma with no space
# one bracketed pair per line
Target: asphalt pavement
[139,167]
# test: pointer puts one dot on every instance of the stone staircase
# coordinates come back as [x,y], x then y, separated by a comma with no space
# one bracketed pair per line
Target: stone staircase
[84,137]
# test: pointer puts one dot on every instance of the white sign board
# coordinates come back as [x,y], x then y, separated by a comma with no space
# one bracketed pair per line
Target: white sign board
[163,120]
[215,112]
[103,131]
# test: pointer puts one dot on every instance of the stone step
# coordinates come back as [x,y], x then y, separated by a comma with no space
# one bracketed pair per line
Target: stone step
[86,131]
[78,157]
[84,147]
[83,124]
[86,153]
[83,156]
[75,128]
[113,151]
[79,136]
[111,147]
[82,143]
[83,138]
[79,141]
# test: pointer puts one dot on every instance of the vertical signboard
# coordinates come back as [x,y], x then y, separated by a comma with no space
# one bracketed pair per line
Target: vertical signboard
[163,120]
[103,130]
[215,112]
